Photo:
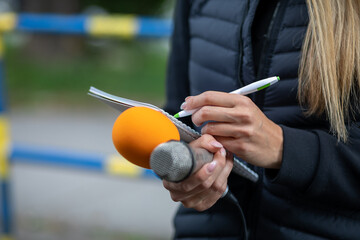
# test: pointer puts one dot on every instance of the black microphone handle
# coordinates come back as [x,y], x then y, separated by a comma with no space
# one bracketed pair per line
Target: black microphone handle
[201,156]
[174,161]
[166,163]
[177,158]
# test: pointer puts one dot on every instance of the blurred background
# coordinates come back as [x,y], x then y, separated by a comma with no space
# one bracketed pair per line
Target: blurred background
[47,77]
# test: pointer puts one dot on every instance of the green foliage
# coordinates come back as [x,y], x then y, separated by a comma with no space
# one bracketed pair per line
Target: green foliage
[129,69]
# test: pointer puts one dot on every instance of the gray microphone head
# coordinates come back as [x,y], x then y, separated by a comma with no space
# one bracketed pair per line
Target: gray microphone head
[172,161]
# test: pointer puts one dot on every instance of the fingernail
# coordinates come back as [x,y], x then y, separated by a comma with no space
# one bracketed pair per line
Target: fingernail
[216,144]
[183,105]
[223,152]
[211,166]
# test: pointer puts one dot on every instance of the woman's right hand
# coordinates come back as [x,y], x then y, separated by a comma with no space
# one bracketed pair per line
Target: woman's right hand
[203,188]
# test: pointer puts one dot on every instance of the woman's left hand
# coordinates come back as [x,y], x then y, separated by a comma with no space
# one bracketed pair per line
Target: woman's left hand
[238,124]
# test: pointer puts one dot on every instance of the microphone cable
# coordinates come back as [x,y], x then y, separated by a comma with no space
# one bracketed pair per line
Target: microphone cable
[174,161]
[230,197]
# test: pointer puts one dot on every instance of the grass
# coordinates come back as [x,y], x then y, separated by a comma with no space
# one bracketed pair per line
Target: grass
[30,227]
[128,69]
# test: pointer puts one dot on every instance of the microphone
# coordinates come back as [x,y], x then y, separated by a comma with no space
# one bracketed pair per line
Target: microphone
[174,161]
[138,130]
[140,133]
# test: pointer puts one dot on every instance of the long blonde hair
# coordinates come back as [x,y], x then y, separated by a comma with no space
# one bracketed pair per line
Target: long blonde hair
[329,73]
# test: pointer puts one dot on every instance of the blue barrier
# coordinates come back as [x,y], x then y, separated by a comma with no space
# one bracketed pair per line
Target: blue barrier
[6,221]
[31,154]
[112,165]
[150,27]
[6,210]
[48,23]
[97,25]
[123,26]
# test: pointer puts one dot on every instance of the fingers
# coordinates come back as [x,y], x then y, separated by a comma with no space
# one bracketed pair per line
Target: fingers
[209,98]
[242,147]
[209,197]
[205,187]
[207,142]
[212,113]
[231,130]
[202,179]
[232,108]
[205,199]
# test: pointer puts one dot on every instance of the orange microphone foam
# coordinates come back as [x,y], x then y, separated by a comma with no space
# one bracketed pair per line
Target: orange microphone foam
[138,130]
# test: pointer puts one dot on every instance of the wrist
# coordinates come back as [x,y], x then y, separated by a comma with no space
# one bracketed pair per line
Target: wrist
[277,147]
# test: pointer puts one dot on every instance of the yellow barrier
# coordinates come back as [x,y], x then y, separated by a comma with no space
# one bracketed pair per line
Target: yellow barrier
[125,26]
[117,165]
[7,21]
[4,147]
[6,238]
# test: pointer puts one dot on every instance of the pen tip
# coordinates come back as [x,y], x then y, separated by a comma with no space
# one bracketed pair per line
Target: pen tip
[278,78]
[176,115]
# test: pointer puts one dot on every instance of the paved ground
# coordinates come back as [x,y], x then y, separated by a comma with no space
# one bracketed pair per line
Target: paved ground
[58,203]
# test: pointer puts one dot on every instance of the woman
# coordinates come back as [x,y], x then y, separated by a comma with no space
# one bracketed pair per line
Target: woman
[302,135]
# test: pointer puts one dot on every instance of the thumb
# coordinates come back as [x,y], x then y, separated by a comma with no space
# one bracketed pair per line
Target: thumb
[207,142]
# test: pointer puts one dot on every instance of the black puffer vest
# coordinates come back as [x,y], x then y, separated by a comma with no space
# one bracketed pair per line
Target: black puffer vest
[221,52]
[305,201]
[221,59]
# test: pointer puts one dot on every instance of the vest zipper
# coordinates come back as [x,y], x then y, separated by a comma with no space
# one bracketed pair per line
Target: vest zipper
[268,38]
[241,49]
[267,47]
[259,101]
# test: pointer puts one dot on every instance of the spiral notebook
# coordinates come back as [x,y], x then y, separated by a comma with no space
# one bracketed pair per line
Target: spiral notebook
[187,134]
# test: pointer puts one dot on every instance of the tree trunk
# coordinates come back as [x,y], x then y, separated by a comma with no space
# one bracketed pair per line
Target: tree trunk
[44,46]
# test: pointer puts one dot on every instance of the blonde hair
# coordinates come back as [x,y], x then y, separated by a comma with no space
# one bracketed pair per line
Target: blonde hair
[329,74]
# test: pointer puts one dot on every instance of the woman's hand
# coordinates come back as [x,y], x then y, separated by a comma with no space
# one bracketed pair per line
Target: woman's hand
[202,189]
[240,126]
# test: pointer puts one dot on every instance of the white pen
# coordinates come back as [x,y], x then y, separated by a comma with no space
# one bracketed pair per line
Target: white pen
[251,88]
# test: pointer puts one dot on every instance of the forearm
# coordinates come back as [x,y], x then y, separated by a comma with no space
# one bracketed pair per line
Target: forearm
[317,165]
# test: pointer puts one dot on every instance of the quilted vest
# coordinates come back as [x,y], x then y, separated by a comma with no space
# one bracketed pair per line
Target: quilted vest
[221,59]
[221,53]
